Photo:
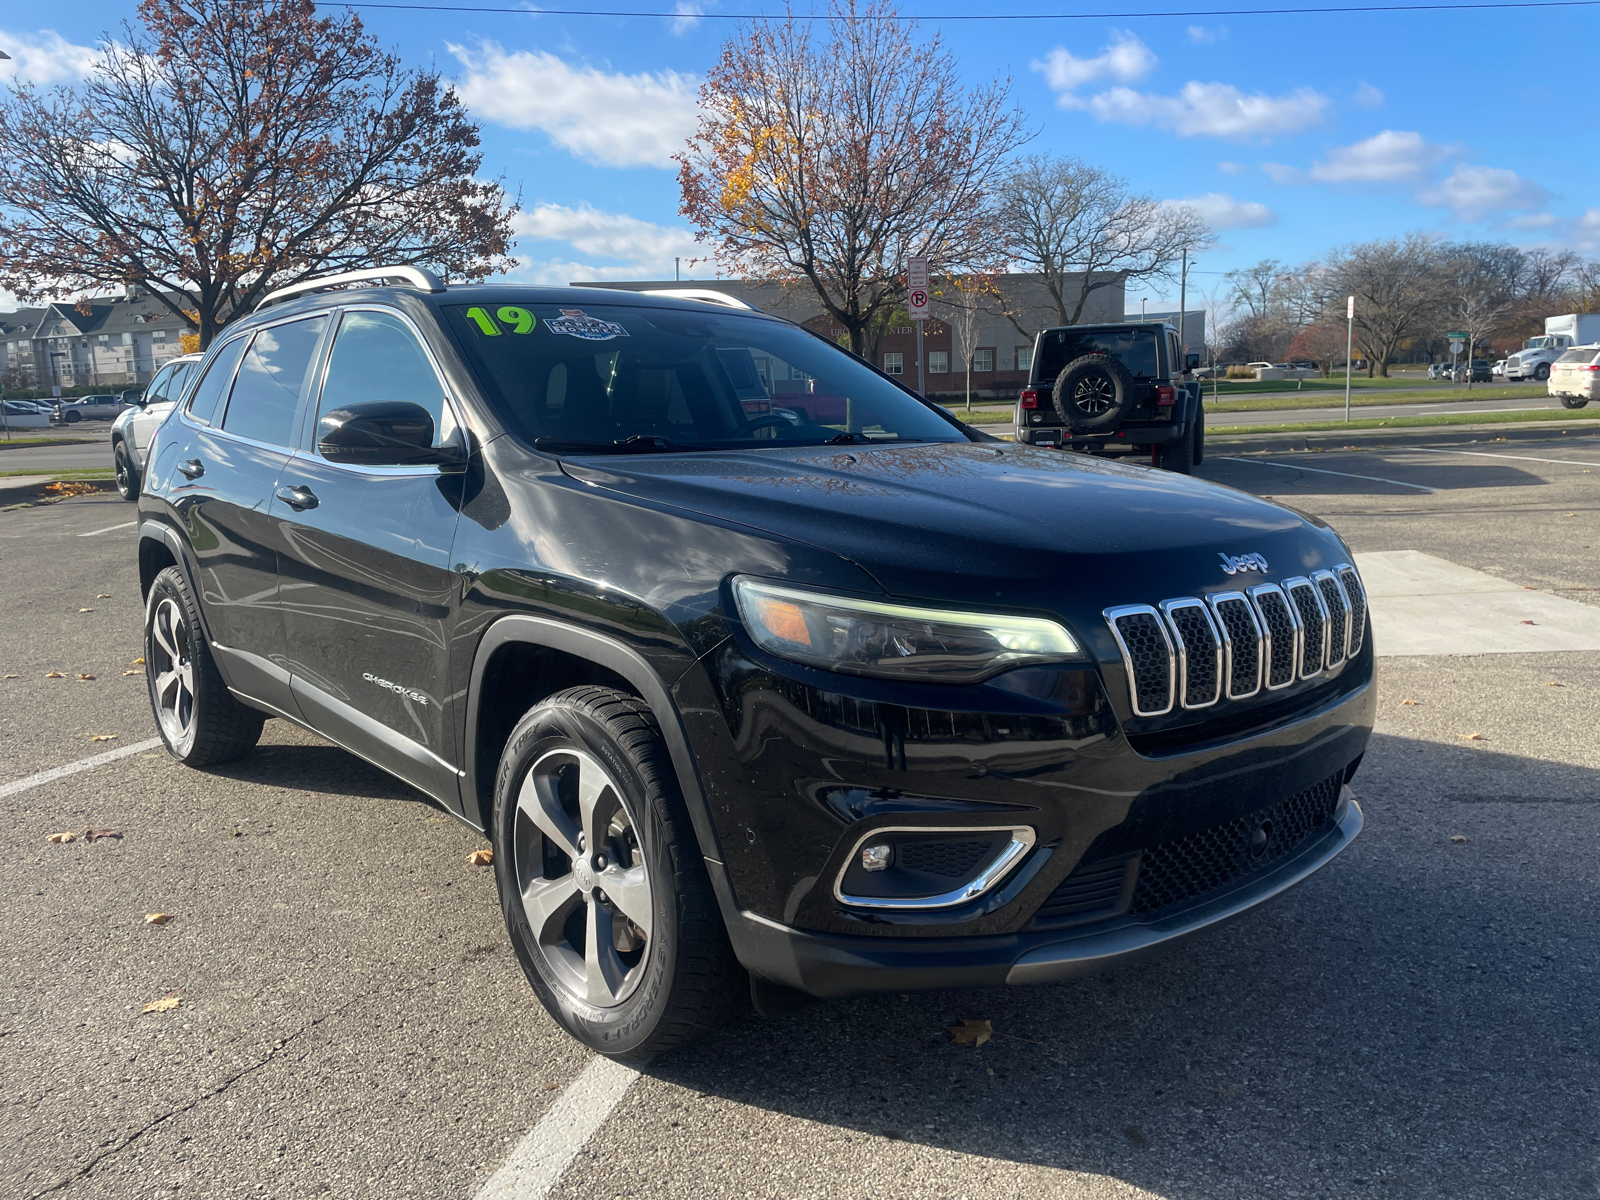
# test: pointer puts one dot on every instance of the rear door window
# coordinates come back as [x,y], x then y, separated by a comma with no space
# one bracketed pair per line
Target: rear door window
[214,385]
[266,393]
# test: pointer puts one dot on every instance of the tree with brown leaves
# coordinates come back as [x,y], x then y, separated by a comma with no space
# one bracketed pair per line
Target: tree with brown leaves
[223,149]
[829,160]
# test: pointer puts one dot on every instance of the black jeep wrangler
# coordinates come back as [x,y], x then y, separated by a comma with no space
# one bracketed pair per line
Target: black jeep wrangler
[763,675]
[1114,389]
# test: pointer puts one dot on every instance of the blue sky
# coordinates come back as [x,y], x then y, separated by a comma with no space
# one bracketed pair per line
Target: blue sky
[1292,134]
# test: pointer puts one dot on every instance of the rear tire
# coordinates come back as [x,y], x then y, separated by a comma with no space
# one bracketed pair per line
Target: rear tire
[1199,433]
[1572,402]
[199,719]
[127,473]
[1177,456]
[602,886]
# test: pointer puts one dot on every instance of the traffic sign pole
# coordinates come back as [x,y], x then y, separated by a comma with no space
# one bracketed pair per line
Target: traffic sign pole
[1349,339]
[917,307]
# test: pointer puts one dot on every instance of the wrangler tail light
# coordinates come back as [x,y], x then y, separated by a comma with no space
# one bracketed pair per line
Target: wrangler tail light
[1030,398]
[1166,395]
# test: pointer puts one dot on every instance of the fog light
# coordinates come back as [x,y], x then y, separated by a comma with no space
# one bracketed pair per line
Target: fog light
[876,858]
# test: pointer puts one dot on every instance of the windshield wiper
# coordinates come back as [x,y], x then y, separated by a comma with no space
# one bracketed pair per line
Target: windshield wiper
[637,444]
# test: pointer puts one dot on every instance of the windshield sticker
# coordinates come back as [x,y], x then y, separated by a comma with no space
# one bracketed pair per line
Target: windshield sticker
[519,319]
[574,322]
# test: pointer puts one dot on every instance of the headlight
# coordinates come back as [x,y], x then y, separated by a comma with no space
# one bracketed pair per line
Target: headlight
[896,641]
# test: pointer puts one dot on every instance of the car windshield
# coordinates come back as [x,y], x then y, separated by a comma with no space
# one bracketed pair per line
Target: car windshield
[1135,348]
[604,376]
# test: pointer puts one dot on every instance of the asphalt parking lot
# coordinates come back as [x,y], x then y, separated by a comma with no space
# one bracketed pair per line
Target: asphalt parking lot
[1421,1019]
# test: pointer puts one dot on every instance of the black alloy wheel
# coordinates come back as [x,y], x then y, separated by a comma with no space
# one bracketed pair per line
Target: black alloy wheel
[1093,393]
[602,886]
[199,719]
[127,473]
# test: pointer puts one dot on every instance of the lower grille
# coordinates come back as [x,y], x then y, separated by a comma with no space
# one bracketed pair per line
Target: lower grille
[1091,888]
[1190,866]
[955,859]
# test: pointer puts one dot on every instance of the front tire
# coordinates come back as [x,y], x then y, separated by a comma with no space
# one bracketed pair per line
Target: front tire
[603,890]
[199,719]
[127,473]
[1542,372]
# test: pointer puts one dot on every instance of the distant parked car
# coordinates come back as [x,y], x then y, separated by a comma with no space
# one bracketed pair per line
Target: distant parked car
[1439,370]
[88,408]
[1480,371]
[1499,369]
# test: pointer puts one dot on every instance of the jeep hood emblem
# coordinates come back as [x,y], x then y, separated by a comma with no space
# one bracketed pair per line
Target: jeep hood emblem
[1233,564]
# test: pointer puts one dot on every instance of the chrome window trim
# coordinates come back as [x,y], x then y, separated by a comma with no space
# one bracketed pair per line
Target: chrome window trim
[1344,598]
[1289,586]
[1358,636]
[1022,840]
[1111,616]
[1216,601]
[1168,607]
[321,378]
[1264,589]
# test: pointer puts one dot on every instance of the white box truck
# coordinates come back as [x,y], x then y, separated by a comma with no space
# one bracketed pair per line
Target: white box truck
[1560,334]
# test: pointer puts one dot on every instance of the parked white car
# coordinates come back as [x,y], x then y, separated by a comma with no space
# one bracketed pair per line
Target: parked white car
[1575,376]
[131,434]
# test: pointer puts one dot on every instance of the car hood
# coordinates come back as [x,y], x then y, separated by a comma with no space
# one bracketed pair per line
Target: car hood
[988,523]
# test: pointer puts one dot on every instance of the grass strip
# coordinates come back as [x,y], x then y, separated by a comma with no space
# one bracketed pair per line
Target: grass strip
[76,473]
[25,443]
[1289,402]
[1439,421]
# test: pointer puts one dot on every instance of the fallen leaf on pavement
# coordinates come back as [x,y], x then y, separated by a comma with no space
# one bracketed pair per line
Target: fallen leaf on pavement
[970,1033]
[103,596]
[1458,838]
[1135,1135]
[1553,683]
[1527,588]
[102,737]
[94,835]
[165,1004]
[1410,703]
[547,1087]
[13,676]
[1569,514]
[70,835]
[481,858]
[157,918]
[1474,737]
[82,610]
[82,675]
[54,675]
[1527,622]
[131,671]
[138,662]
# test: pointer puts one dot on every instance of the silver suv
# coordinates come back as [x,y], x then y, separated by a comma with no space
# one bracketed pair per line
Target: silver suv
[130,435]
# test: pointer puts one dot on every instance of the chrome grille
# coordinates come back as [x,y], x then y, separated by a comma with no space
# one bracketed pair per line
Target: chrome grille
[1241,644]
[1333,599]
[1281,626]
[1199,651]
[1313,616]
[1191,652]
[1357,595]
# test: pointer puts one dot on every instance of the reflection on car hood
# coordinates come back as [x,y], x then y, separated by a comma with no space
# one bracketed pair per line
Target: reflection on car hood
[986,523]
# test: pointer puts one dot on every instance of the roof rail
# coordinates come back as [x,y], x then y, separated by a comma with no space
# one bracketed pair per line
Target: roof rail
[418,278]
[707,295]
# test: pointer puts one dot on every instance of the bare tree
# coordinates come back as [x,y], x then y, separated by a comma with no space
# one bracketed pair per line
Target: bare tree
[965,299]
[1081,230]
[225,149]
[834,158]
[1398,290]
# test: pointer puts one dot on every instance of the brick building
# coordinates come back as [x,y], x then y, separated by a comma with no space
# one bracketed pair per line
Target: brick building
[111,342]
[1001,350]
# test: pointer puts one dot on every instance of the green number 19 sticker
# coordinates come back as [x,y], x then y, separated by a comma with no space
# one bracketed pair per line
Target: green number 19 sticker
[520,320]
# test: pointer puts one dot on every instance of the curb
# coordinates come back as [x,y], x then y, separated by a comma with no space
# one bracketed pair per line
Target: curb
[33,494]
[1369,439]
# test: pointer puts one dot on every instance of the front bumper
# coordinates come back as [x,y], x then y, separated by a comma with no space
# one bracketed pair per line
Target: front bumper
[832,966]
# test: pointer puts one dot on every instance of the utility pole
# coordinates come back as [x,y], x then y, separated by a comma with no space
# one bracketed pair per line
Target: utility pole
[1349,341]
[1183,303]
[1142,299]
[677,275]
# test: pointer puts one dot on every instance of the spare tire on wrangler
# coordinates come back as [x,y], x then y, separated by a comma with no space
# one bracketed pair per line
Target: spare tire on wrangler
[1093,393]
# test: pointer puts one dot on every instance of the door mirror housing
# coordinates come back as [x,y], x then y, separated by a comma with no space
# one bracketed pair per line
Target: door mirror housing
[1191,361]
[384,433]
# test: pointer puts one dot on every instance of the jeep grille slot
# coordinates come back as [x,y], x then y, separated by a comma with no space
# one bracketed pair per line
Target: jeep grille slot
[1333,599]
[1241,644]
[1313,625]
[1199,651]
[1281,628]
[1147,655]
[1357,595]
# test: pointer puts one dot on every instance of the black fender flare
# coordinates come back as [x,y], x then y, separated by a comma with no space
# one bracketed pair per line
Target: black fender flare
[615,656]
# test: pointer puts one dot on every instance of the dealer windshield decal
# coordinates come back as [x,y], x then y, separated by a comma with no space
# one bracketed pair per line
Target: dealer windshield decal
[574,322]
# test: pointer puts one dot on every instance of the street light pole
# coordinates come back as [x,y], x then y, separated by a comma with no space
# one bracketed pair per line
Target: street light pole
[1183,303]
[1349,340]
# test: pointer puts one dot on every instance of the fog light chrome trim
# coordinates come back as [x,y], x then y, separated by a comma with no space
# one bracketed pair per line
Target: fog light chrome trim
[1022,840]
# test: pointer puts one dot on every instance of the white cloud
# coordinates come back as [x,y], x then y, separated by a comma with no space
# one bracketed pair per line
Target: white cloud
[1125,59]
[1211,110]
[1368,96]
[1231,168]
[1533,221]
[1388,158]
[1475,193]
[1201,35]
[613,120]
[687,16]
[647,247]
[1222,212]
[45,57]
[1586,231]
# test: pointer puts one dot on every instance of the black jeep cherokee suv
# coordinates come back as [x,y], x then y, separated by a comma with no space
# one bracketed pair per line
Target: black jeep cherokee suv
[748,660]
[1114,389]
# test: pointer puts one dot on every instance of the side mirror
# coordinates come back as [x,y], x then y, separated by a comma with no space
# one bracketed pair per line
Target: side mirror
[1191,361]
[384,433]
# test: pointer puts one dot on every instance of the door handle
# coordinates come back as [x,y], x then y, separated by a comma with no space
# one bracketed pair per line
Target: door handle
[298,498]
[191,468]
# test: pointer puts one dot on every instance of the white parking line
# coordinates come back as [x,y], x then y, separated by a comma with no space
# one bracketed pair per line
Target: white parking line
[109,528]
[1267,462]
[83,764]
[1565,462]
[540,1158]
